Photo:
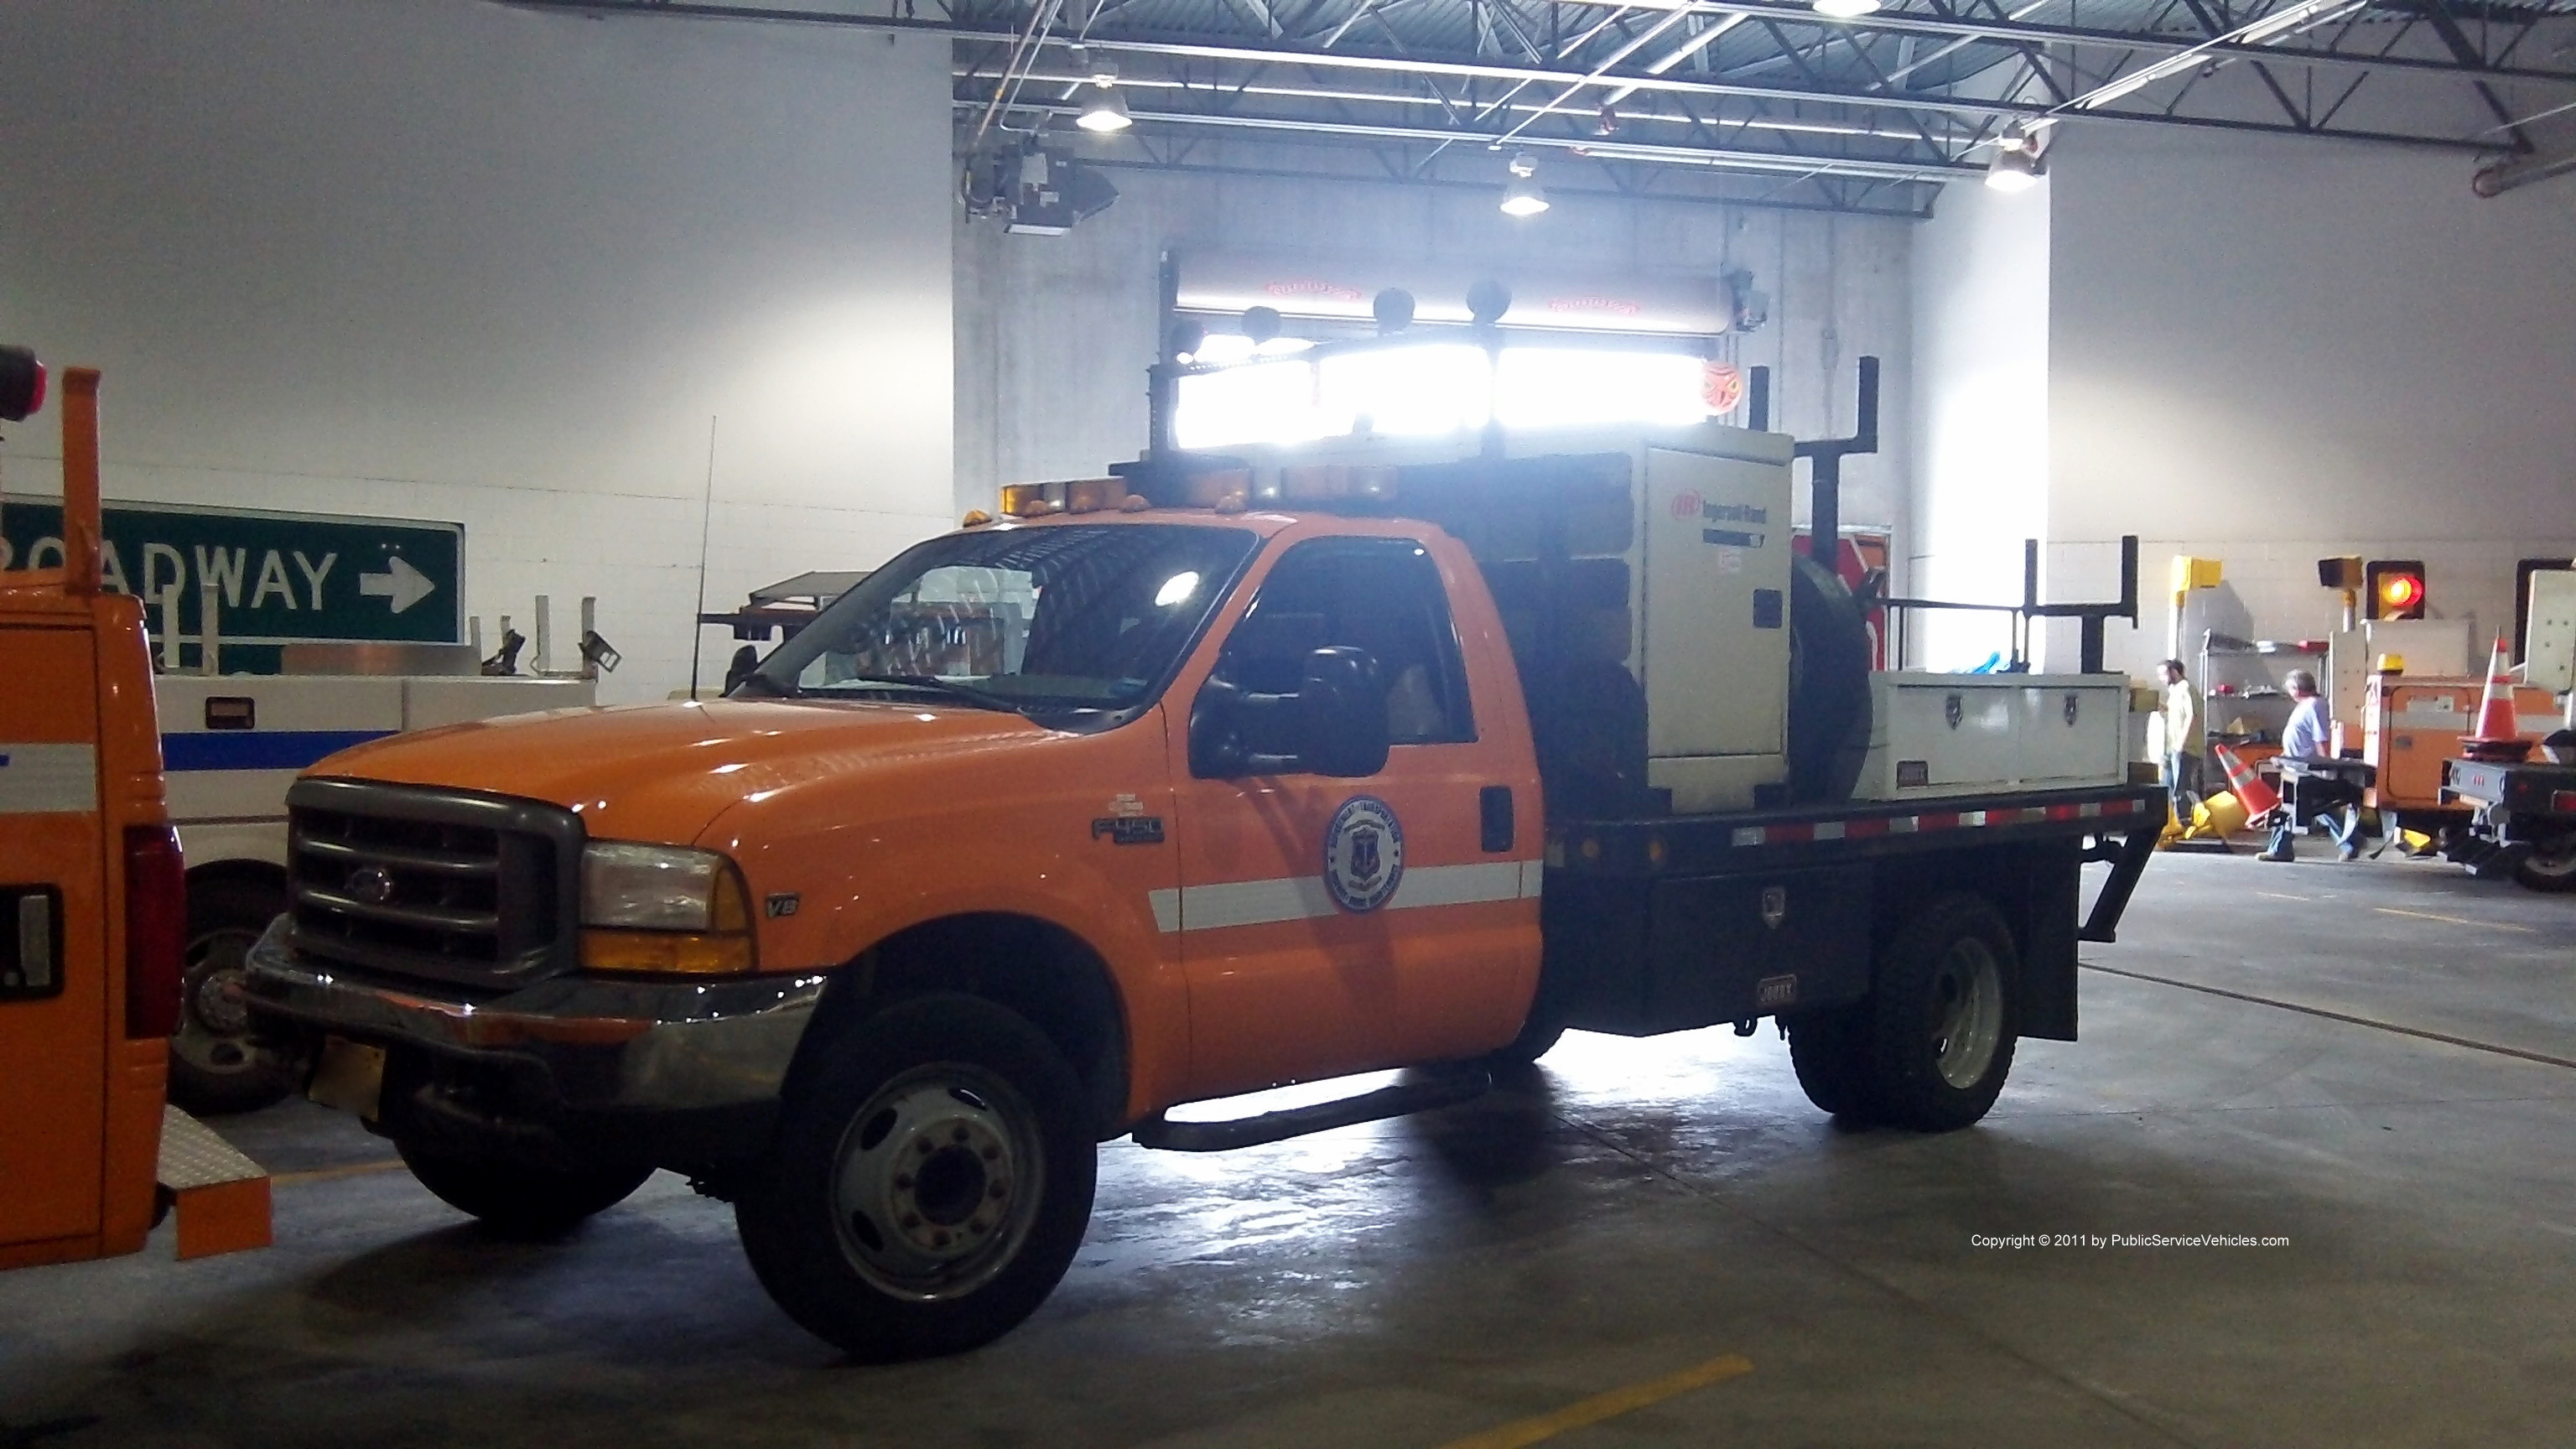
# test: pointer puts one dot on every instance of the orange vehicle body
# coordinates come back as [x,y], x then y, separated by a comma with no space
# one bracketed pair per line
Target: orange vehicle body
[2411,725]
[80,794]
[1232,969]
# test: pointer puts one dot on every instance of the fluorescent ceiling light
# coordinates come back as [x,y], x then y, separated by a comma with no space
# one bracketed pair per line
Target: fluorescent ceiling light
[1845,9]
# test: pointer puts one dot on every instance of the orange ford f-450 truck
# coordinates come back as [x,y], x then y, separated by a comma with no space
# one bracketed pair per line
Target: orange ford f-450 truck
[1206,778]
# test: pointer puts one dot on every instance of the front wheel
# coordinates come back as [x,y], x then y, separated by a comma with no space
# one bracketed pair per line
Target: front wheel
[1942,1019]
[930,1182]
[2550,865]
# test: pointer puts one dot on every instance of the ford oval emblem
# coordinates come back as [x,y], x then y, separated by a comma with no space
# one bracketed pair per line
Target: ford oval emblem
[371,883]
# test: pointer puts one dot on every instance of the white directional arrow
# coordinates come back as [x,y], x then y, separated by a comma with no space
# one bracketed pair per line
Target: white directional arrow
[400,582]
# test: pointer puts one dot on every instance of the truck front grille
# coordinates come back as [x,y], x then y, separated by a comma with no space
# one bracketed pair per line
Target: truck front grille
[466,888]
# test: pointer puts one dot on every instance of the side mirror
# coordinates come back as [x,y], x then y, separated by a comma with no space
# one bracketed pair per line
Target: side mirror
[1343,704]
[1335,724]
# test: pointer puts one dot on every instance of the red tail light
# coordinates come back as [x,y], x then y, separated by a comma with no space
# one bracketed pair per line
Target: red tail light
[156,930]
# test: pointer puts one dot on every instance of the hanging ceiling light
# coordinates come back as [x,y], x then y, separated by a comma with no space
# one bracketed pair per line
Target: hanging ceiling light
[1845,9]
[2015,164]
[1521,195]
[1104,110]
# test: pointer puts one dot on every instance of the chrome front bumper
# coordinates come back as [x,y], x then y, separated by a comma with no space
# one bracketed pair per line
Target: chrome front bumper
[581,1051]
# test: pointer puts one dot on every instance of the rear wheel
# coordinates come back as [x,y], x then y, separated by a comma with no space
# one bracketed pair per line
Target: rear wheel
[216,1064]
[519,1201]
[1830,1051]
[1941,1025]
[930,1182]
[2550,865]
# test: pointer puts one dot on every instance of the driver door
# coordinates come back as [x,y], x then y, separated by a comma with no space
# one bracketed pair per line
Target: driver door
[1336,925]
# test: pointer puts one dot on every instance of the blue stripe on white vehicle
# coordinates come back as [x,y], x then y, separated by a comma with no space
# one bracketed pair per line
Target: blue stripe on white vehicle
[258,749]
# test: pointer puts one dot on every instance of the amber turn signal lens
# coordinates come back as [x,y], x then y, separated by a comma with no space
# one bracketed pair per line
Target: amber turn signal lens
[670,953]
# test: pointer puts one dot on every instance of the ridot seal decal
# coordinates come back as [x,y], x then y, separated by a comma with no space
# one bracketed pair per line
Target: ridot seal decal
[1363,854]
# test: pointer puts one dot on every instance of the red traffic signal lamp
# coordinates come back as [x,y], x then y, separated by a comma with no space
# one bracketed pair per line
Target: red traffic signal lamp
[2394,588]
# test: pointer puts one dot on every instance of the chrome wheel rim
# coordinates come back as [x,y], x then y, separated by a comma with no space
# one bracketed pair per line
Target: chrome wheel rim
[214,1026]
[936,1181]
[1969,991]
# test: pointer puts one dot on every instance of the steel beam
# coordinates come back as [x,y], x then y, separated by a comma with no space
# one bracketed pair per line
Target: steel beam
[1256,53]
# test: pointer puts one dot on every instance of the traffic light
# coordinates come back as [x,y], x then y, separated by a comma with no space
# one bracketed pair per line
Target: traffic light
[2395,588]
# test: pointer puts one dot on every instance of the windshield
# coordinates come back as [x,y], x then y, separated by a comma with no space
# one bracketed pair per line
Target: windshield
[1059,618]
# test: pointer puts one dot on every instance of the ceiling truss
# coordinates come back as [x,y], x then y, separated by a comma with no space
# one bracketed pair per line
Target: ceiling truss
[1743,101]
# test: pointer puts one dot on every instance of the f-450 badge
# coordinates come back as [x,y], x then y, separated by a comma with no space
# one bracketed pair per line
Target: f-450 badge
[1363,854]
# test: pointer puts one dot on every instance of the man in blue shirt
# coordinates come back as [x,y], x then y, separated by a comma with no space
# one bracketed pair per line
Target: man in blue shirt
[2305,738]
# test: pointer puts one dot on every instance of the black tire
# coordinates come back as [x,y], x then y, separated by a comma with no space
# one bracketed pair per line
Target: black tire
[518,1201]
[2550,865]
[217,1065]
[1942,1017]
[893,1217]
[1539,1036]
[1829,1050]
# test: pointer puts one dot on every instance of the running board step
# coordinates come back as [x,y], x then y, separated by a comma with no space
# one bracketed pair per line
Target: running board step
[1420,1095]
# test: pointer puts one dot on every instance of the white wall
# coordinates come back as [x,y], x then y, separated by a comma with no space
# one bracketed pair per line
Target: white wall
[2273,351]
[1981,298]
[443,259]
[1055,333]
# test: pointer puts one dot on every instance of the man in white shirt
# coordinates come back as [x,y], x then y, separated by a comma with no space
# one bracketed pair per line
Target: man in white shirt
[2180,713]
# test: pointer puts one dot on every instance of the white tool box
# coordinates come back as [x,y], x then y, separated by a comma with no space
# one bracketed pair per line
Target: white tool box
[1966,734]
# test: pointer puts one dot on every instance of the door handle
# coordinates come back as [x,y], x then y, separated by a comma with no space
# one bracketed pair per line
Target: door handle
[32,969]
[1494,818]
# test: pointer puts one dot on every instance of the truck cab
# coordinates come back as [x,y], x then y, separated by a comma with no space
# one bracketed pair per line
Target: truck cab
[1211,776]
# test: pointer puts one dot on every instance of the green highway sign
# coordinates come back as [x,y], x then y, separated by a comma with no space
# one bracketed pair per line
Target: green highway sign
[278,578]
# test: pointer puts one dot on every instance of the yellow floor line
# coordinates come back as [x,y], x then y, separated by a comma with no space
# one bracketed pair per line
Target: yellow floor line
[1605,1406]
[327,1174]
[2453,920]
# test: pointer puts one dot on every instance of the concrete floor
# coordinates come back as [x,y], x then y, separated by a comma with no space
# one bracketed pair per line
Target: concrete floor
[1638,1209]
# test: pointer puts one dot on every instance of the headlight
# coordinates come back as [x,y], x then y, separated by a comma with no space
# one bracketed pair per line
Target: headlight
[663,908]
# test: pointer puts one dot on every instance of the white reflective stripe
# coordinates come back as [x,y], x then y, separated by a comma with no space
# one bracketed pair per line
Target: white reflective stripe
[1254,903]
[1458,885]
[48,779]
[1304,898]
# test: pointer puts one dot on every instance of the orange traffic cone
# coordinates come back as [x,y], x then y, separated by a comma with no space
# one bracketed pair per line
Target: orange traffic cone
[2258,798]
[2498,735]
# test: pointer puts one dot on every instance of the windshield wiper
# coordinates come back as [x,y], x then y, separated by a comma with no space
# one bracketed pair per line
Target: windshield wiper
[966,693]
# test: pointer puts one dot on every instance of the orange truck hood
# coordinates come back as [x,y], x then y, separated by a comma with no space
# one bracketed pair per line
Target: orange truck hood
[664,772]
